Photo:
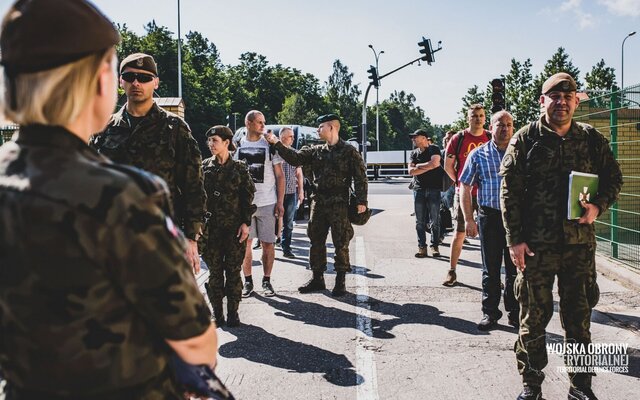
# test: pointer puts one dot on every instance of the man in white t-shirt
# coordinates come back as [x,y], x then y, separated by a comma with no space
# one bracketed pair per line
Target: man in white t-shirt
[265,167]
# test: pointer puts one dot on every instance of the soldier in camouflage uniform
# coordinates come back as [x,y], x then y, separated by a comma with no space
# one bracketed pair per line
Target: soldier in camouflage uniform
[543,242]
[95,291]
[230,191]
[145,136]
[335,165]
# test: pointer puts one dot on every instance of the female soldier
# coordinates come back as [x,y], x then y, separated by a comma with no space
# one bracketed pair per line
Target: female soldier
[95,289]
[230,191]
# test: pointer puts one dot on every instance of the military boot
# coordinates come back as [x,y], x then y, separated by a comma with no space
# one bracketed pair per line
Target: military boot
[315,284]
[530,393]
[218,315]
[340,288]
[581,388]
[233,319]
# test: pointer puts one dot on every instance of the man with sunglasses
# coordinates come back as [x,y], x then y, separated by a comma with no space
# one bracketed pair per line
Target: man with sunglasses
[145,136]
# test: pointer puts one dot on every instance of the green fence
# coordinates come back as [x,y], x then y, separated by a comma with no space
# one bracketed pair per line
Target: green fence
[6,131]
[617,116]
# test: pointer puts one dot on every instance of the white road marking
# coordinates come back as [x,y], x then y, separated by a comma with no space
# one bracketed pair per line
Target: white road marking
[367,388]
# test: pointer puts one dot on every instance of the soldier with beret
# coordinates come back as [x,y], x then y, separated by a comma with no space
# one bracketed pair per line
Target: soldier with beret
[95,291]
[335,165]
[145,136]
[543,242]
[230,192]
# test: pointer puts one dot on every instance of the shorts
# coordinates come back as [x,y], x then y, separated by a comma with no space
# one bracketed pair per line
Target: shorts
[457,216]
[263,224]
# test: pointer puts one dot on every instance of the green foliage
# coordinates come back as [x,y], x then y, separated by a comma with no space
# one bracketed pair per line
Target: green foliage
[213,91]
[601,78]
[559,62]
[522,101]
[474,96]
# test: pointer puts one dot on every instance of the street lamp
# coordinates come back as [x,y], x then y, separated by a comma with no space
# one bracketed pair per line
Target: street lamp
[622,64]
[179,56]
[377,55]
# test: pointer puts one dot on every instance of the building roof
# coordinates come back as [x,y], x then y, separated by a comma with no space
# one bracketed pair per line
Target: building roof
[169,101]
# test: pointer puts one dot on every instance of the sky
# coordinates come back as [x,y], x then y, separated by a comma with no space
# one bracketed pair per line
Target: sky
[479,38]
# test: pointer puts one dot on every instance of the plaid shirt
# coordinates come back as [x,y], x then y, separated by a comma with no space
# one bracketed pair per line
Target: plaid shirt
[482,167]
[290,179]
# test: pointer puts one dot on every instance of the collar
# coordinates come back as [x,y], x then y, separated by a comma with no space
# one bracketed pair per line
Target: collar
[119,117]
[53,137]
[574,130]
[340,143]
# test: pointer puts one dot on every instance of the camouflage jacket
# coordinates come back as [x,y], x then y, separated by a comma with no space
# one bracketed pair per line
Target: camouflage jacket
[333,167]
[536,169]
[163,145]
[93,275]
[230,191]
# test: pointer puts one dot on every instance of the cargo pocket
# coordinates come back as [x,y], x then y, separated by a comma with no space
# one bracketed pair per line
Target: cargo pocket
[517,287]
[593,292]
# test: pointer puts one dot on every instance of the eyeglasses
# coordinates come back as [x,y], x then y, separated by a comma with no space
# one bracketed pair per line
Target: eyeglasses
[132,76]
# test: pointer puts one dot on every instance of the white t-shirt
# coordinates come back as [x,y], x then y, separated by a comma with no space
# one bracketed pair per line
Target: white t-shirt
[260,162]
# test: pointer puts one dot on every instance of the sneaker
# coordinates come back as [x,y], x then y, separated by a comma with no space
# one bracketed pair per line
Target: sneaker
[487,323]
[258,245]
[288,254]
[434,251]
[581,394]
[465,242]
[451,278]
[422,252]
[530,393]
[267,289]
[247,290]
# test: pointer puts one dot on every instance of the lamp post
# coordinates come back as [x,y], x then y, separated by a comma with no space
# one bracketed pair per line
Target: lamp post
[377,56]
[622,63]
[179,55]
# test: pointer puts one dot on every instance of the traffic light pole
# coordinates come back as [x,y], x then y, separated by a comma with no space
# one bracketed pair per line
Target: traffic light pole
[364,108]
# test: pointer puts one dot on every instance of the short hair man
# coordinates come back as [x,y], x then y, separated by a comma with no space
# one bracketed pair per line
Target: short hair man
[427,182]
[482,169]
[265,167]
[335,165]
[542,241]
[146,136]
[293,194]
[458,150]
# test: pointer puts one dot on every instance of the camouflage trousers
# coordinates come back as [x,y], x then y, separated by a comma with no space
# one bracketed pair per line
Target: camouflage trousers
[574,265]
[223,255]
[323,217]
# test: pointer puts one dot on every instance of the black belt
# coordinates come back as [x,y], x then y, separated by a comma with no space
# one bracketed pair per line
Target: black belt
[489,210]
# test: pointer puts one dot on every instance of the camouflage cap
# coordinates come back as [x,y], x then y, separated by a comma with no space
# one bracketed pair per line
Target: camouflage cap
[560,82]
[326,118]
[418,132]
[39,35]
[225,134]
[140,61]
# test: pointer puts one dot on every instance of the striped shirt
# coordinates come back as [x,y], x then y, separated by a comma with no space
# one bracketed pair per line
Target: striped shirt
[481,168]
[290,178]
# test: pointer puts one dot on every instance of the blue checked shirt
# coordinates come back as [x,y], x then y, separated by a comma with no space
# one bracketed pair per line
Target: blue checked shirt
[482,167]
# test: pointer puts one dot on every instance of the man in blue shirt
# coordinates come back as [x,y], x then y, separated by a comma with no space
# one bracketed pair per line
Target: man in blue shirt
[482,168]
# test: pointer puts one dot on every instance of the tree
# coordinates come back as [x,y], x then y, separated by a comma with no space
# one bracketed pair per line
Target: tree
[341,95]
[295,110]
[559,62]
[522,101]
[601,78]
[399,116]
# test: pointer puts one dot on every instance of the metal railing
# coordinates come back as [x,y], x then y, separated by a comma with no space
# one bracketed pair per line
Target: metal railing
[617,116]
[6,132]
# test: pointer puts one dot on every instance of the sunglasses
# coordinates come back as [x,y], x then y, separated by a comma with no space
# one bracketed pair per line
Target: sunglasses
[132,76]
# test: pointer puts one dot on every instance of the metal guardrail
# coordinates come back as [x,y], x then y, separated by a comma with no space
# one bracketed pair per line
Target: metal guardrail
[617,116]
[7,131]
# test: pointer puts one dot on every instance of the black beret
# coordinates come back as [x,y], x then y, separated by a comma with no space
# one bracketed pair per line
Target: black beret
[39,35]
[224,132]
[560,82]
[326,118]
[140,61]
[419,132]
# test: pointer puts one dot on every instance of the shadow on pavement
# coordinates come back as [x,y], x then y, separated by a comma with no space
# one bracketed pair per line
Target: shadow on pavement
[257,345]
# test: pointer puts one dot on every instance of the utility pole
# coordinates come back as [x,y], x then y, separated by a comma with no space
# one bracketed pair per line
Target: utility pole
[179,55]
[377,55]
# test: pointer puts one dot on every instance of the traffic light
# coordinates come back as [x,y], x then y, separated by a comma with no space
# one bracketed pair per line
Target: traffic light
[373,75]
[427,50]
[498,96]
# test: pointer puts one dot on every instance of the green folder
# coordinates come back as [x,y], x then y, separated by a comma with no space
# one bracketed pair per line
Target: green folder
[582,186]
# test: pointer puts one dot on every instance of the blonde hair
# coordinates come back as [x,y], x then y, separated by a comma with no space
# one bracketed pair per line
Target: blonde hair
[55,96]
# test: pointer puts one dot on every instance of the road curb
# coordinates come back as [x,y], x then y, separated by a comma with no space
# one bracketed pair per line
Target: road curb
[618,272]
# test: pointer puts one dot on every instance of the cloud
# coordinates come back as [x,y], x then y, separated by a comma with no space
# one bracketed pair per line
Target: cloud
[570,5]
[583,19]
[623,8]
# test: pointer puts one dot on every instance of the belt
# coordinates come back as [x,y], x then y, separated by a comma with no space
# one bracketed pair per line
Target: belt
[488,210]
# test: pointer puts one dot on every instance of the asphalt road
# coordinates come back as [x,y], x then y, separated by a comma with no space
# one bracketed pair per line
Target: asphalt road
[399,334]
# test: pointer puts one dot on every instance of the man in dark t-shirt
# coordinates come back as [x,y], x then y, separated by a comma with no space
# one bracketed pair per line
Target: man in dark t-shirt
[427,182]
